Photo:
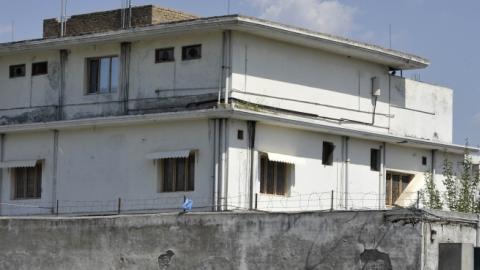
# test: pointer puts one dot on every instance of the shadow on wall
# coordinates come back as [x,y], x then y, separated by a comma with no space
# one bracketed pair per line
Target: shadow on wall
[398,95]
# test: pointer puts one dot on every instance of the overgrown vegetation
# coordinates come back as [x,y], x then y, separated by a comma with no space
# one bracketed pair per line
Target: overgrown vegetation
[431,196]
[462,189]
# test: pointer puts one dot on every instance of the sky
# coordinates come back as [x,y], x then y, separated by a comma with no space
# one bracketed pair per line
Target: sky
[444,31]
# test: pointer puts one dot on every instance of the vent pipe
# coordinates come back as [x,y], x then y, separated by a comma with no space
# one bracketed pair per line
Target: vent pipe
[63,17]
[126,13]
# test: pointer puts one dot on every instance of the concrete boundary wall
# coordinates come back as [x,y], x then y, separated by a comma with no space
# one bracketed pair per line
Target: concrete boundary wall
[320,240]
[394,239]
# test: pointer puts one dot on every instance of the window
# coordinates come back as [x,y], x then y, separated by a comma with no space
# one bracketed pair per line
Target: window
[327,153]
[240,134]
[424,161]
[164,55]
[39,68]
[177,174]
[375,160]
[17,71]
[396,184]
[273,176]
[27,182]
[102,75]
[191,52]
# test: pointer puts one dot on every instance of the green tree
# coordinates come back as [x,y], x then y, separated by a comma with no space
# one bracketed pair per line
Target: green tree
[430,195]
[461,189]
[450,183]
[461,194]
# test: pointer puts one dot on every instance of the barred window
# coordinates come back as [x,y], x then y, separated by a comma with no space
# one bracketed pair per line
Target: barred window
[274,176]
[375,160]
[27,182]
[177,174]
[327,153]
[40,68]
[165,55]
[17,71]
[191,52]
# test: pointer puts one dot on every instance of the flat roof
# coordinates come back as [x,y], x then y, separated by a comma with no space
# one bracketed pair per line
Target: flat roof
[330,43]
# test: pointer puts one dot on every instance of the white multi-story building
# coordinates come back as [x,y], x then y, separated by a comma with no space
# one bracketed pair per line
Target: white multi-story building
[230,111]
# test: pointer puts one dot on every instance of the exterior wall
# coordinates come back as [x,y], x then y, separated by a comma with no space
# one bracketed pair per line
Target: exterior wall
[213,241]
[239,167]
[366,187]
[309,175]
[421,110]
[29,98]
[323,84]
[334,87]
[31,146]
[97,166]
[355,185]
[153,87]
[337,88]
[79,104]
[435,233]
[153,84]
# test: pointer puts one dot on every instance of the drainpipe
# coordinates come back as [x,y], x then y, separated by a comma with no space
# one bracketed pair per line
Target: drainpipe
[216,165]
[251,126]
[225,83]
[61,92]
[2,156]
[384,176]
[221,160]
[380,177]
[220,164]
[222,150]
[225,150]
[125,52]
[340,186]
[347,161]
[54,172]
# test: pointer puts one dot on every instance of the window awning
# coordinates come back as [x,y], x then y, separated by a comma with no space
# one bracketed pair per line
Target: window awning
[18,164]
[170,154]
[284,158]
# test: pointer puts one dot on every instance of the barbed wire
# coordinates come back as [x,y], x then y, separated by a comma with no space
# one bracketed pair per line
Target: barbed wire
[332,201]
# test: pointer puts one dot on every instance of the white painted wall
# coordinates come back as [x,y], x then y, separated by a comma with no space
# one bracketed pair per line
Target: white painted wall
[151,80]
[96,166]
[337,87]
[112,163]
[421,110]
[18,95]
[28,146]
[99,165]
[312,182]
[148,81]
[30,90]
[238,165]
[106,163]
[79,104]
